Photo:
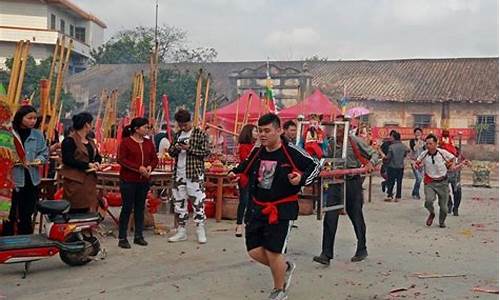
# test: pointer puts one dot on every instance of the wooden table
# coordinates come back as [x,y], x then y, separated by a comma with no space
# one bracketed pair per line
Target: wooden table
[110,181]
[219,181]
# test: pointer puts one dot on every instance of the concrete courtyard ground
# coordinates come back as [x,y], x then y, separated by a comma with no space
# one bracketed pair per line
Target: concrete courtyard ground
[399,245]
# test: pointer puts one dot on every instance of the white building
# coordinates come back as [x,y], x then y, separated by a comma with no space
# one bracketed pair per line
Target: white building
[42,22]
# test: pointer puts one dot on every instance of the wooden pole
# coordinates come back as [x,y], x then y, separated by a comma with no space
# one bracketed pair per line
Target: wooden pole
[198,98]
[245,118]
[115,107]
[58,80]
[14,74]
[44,99]
[133,95]
[101,104]
[221,129]
[63,67]
[141,94]
[153,82]
[214,115]
[207,89]
[53,64]
[22,69]
[48,108]
[236,117]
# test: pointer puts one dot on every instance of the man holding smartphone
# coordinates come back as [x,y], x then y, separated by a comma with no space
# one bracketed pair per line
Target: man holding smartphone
[190,148]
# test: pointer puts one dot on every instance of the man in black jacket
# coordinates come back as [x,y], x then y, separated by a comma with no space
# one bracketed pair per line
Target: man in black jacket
[278,170]
[359,154]
[384,149]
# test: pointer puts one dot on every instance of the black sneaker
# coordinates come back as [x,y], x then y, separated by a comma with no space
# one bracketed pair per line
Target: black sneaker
[455,212]
[124,244]
[359,257]
[140,241]
[442,225]
[322,259]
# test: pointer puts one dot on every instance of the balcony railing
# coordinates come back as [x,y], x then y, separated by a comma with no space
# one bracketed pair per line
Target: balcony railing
[41,36]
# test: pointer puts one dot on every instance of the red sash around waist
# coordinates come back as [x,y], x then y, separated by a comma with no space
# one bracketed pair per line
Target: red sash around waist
[270,208]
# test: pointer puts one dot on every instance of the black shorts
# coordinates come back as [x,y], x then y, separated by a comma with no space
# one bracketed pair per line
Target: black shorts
[272,237]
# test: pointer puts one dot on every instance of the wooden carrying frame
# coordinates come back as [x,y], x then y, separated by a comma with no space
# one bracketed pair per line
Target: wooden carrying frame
[336,163]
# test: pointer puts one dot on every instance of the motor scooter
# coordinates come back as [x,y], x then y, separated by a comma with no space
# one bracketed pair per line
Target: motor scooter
[70,235]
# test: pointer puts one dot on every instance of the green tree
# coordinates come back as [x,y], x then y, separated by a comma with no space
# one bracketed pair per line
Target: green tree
[33,74]
[133,46]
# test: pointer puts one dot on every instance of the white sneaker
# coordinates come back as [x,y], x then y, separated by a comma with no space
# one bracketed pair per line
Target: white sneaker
[200,232]
[180,235]
[278,294]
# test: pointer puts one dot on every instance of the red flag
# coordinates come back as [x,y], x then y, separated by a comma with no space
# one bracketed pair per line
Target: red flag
[139,108]
[98,129]
[271,106]
[119,132]
[60,128]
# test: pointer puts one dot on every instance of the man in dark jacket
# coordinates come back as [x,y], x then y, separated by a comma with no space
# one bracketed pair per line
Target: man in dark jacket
[395,166]
[384,149]
[358,154]
[278,170]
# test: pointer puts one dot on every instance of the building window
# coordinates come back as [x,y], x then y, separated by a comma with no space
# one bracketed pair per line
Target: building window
[80,34]
[71,30]
[52,21]
[485,129]
[422,121]
[62,26]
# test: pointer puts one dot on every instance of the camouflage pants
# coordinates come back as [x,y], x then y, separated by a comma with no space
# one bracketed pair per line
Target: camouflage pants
[182,191]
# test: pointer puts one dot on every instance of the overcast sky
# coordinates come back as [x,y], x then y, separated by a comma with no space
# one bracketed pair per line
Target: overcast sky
[243,30]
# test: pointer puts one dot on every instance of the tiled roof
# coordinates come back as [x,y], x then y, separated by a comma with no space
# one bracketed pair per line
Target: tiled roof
[461,79]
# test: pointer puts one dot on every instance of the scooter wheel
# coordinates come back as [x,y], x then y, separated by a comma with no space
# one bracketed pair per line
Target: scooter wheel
[92,247]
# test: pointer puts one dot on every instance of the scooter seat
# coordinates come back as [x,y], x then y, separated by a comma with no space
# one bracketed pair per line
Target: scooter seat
[53,206]
[77,218]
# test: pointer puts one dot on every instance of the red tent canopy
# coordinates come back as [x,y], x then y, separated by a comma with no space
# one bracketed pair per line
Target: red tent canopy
[226,115]
[316,103]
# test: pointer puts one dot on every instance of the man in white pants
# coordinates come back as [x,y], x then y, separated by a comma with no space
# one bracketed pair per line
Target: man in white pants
[190,147]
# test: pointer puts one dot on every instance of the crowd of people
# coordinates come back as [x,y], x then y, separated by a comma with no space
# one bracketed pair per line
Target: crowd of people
[275,163]
[435,161]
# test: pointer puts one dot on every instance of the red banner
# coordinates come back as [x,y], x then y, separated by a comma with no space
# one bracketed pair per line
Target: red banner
[407,132]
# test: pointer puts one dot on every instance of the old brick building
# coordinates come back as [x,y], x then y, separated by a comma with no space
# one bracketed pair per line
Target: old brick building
[455,93]
[437,93]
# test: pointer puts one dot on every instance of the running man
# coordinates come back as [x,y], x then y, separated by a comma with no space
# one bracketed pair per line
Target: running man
[278,170]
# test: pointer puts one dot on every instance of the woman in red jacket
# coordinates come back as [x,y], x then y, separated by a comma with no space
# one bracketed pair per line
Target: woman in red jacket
[248,137]
[137,158]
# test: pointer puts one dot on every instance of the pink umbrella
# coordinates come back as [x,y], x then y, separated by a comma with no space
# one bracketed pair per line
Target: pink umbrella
[357,112]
